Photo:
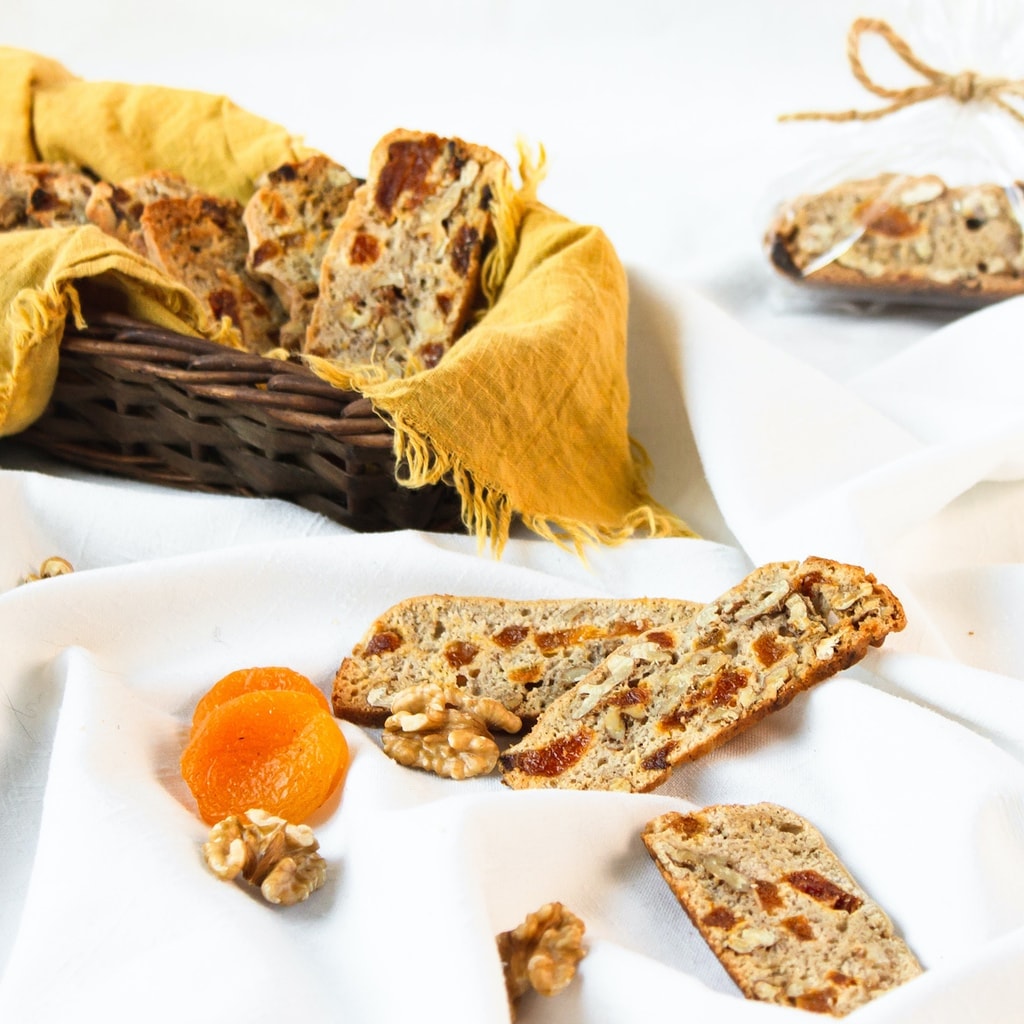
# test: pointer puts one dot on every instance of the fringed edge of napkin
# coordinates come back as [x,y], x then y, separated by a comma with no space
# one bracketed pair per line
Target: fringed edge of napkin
[510,205]
[36,317]
[487,512]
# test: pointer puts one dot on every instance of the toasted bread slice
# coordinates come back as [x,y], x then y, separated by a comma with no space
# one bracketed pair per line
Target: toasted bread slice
[674,693]
[522,653]
[402,271]
[289,220]
[778,908]
[902,236]
[201,241]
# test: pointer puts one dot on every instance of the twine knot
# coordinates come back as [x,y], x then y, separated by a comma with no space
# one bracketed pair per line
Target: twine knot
[964,87]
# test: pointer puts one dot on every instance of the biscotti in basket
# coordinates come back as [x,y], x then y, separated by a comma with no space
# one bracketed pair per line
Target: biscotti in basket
[380,275]
[479,320]
[384,273]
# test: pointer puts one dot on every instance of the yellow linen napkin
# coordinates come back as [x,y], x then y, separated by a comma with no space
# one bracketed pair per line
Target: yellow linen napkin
[43,275]
[526,416]
[119,130]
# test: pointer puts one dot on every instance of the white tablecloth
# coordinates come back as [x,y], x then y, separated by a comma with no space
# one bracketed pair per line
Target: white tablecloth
[890,438]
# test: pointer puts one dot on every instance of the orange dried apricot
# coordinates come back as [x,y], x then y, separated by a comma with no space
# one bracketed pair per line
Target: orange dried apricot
[278,750]
[244,680]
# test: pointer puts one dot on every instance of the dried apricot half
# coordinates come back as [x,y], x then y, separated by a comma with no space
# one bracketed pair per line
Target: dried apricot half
[278,750]
[244,680]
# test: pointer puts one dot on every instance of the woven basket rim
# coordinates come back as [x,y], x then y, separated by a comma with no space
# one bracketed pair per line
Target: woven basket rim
[141,401]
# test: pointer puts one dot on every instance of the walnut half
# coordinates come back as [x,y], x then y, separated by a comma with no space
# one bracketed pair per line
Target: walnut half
[52,566]
[445,730]
[541,953]
[279,858]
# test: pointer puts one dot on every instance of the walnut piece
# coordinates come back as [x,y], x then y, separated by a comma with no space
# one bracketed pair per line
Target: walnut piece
[279,858]
[445,730]
[749,939]
[52,566]
[542,952]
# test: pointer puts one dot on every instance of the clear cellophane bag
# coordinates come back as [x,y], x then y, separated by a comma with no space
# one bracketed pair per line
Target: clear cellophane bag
[917,197]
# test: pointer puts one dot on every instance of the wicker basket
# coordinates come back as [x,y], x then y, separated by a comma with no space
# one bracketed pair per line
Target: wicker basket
[146,403]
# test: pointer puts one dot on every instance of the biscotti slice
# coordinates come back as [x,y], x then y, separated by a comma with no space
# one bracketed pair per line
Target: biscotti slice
[402,271]
[117,208]
[910,236]
[522,653]
[200,241]
[42,195]
[778,908]
[674,693]
[289,220]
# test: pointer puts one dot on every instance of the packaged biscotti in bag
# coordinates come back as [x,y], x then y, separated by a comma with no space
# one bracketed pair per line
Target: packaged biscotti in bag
[919,196]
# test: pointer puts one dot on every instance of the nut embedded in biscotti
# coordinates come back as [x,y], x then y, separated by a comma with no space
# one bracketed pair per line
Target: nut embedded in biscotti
[277,857]
[445,730]
[542,953]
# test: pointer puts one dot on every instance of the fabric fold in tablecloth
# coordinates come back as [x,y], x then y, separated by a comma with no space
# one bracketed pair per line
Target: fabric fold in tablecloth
[424,871]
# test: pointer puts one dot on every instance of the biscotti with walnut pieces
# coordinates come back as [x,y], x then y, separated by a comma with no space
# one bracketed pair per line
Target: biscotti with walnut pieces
[200,240]
[289,220]
[43,195]
[674,693]
[778,908]
[522,653]
[904,236]
[117,208]
[402,271]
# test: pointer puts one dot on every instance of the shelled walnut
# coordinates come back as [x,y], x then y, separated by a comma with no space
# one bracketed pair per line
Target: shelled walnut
[279,858]
[52,566]
[445,730]
[541,953]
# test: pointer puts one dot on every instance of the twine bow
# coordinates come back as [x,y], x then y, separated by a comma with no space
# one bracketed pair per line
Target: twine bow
[965,87]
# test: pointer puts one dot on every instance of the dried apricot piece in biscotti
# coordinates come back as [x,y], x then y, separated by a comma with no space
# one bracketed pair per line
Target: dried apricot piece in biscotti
[273,749]
[245,680]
